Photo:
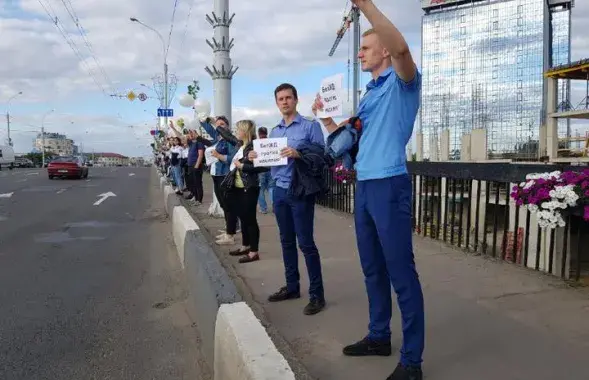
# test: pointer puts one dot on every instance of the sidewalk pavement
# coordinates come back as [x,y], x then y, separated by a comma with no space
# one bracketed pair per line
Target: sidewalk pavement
[485,320]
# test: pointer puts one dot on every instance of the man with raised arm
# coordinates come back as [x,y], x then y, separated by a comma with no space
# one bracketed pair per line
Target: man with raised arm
[382,212]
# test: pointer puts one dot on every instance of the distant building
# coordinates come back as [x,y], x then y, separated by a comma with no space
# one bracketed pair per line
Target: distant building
[109,159]
[137,161]
[483,64]
[55,143]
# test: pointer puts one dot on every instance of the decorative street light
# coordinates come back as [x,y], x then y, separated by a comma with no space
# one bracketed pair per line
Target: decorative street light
[165,53]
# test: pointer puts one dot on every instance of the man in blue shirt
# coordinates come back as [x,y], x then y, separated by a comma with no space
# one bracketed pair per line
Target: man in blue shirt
[383,193]
[295,215]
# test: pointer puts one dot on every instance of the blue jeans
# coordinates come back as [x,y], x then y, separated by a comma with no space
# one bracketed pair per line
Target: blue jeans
[266,184]
[384,237]
[178,176]
[295,219]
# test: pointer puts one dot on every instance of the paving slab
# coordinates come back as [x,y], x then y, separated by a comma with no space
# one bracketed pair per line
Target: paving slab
[485,319]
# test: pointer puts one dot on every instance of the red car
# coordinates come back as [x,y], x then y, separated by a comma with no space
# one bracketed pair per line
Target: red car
[67,167]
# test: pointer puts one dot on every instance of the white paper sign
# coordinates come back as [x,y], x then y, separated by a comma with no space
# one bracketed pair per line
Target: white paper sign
[268,151]
[331,95]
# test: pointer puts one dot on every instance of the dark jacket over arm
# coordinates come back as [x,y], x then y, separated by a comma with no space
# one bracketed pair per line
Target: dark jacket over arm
[308,176]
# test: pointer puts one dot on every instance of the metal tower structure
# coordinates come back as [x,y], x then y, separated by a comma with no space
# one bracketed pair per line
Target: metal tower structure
[222,70]
[353,18]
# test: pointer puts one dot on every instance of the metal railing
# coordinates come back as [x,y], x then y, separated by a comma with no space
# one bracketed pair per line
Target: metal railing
[468,205]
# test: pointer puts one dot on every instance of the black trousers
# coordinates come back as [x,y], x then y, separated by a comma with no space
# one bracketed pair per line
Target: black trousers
[222,196]
[245,203]
[195,183]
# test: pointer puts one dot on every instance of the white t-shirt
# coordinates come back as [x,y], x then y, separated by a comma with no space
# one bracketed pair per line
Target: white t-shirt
[184,153]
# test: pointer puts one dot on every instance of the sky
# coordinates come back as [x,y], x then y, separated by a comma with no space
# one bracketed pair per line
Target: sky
[94,51]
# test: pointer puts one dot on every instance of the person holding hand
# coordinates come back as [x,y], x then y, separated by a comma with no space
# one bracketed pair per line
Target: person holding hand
[294,200]
[382,212]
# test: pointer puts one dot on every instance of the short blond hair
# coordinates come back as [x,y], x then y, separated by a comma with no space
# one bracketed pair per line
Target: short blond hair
[369,32]
[248,127]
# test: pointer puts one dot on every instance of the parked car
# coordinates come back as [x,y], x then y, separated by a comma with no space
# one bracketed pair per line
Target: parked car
[6,157]
[67,167]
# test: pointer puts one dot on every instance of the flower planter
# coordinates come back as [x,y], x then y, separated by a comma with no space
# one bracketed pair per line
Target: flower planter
[552,196]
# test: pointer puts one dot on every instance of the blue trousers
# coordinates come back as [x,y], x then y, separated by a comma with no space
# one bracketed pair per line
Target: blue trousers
[178,176]
[295,218]
[266,184]
[384,237]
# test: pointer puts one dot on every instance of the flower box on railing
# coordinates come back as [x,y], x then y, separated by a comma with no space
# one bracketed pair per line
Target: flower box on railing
[551,196]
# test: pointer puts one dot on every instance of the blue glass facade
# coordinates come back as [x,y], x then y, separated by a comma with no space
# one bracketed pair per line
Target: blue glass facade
[482,66]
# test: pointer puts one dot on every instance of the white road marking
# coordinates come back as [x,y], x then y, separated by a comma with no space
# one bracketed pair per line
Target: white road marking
[103,197]
[22,180]
[6,195]
[33,173]
[131,174]
[61,191]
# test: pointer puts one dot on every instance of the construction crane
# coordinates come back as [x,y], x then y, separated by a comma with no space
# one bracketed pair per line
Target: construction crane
[353,18]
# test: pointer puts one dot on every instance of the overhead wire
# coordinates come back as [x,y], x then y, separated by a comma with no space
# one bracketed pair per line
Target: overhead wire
[171,26]
[183,39]
[55,20]
[72,13]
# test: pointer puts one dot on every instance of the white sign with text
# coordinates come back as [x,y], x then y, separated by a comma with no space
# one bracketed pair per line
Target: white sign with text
[331,96]
[268,151]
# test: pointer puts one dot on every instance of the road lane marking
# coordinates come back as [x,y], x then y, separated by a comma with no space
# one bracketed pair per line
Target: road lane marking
[61,191]
[6,195]
[33,173]
[131,174]
[103,197]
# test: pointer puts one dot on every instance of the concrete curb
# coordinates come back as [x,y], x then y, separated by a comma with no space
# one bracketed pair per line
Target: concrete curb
[232,338]
[243,349]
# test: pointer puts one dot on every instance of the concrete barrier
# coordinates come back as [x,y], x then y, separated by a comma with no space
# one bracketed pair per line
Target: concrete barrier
[182,222]
[243,349]
[210,287]
[232,338]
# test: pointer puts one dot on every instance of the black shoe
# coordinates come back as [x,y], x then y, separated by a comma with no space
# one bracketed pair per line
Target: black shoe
[368,347]
[406,373]
[283,294]
[314,307]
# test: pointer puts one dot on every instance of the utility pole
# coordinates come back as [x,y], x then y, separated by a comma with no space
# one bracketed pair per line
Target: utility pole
[8,116]
[42,147]
[353,17]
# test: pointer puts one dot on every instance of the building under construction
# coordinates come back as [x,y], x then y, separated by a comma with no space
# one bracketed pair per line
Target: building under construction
[483,63]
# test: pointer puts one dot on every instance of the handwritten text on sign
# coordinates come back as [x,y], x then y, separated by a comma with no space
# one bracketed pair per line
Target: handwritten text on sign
[331,96]
[268,151]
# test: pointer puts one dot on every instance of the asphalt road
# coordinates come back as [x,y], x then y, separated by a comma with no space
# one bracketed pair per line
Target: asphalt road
[91,291]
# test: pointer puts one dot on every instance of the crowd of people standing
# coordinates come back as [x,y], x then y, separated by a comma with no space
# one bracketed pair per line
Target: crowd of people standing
[374,141]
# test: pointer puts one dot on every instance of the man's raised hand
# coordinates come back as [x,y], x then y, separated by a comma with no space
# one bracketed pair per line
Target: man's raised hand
[318,106]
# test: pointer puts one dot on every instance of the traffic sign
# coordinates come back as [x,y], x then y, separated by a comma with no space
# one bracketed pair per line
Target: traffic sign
[142,97]
[165,112]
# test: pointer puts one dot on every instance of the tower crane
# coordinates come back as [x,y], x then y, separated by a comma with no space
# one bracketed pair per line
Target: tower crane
[352,18]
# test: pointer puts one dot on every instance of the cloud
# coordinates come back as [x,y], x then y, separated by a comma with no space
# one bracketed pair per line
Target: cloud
[270,38]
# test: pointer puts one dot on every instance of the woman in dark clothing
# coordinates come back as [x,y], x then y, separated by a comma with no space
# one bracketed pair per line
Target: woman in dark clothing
[243,196]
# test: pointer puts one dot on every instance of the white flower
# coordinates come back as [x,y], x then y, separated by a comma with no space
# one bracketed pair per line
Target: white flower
[533,208]
[529,184]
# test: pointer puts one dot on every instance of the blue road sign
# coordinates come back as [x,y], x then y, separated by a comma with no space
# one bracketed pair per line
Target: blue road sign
[165,112]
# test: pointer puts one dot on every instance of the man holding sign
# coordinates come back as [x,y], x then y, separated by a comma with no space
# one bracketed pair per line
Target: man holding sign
[295,213]
[383,193]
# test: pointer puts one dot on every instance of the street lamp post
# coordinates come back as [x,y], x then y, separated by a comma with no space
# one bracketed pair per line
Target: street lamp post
[43,137]
[8,116]
[166,105]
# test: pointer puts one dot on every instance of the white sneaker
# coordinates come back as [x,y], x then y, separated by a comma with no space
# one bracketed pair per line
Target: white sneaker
[226,240]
